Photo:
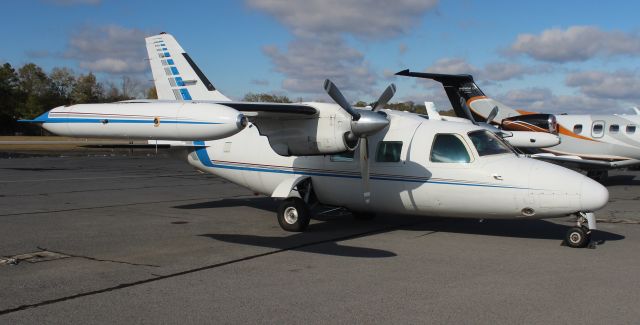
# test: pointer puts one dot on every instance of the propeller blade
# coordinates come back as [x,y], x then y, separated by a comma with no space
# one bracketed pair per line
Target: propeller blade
[493,114]
[385,97]
[364,169]
[335,94]
[467,111]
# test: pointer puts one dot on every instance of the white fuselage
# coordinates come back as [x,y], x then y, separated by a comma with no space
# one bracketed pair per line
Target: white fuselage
[607,137]
[494,186]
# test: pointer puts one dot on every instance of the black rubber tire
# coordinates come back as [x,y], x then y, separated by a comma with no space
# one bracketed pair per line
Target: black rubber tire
[577,237]
[363,215]
[301,211]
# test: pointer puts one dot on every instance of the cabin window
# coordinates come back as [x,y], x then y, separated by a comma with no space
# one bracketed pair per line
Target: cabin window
[597,130]
[577,129]
[342,157]
[448,148]
[614,128]
[631,129]
[488,143]
[389,151]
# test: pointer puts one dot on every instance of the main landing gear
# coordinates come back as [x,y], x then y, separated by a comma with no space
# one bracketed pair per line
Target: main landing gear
[294,214]
[580,236]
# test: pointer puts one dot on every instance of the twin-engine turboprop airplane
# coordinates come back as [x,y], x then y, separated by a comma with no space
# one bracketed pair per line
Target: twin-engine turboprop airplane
[595,143]
[365,160]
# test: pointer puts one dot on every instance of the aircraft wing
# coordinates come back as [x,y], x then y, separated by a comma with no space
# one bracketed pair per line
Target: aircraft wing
[587,164]
[272,110]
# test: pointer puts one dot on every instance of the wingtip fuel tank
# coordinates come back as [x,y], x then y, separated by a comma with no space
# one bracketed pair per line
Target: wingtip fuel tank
[144,120]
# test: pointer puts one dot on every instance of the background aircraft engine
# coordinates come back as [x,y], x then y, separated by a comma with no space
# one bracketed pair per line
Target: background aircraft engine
[184,121]
[531,122]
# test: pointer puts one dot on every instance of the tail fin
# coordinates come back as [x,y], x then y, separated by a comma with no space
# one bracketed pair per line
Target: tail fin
[175,75]
[462,86]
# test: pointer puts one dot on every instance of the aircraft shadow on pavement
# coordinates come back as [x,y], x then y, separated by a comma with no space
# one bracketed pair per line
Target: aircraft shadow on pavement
[622,180]
[262,203]
[533,229]
[318,238]
[302,242]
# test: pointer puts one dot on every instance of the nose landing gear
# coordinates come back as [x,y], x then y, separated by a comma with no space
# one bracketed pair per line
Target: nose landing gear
[580,236]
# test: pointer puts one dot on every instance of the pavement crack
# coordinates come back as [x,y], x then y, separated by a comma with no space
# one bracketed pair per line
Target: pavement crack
[203,268]
[96,259]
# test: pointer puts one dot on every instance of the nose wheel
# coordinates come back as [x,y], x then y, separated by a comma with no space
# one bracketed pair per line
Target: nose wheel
[577,237]
[580,236]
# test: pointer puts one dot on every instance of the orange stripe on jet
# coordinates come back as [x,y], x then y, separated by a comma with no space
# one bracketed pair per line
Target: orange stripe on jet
[567,132]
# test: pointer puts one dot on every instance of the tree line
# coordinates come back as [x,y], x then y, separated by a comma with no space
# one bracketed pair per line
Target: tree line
[29,91]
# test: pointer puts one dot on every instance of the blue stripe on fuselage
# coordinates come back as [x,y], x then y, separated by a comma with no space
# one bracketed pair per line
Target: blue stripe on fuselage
[202,153]
[203,156]
[99,120]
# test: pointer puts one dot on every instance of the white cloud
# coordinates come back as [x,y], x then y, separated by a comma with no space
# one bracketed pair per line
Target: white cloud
[308,62]
[109,49]
[545,101]
[371,19]
[615,85]
[495,71]
[260,82]
[576,43]
[403,48]
[319,50]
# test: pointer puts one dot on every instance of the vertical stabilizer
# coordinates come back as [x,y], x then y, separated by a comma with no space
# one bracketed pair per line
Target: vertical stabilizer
[462,86]
[175,74]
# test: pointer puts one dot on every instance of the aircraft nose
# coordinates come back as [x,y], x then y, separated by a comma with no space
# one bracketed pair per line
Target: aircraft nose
[593,196]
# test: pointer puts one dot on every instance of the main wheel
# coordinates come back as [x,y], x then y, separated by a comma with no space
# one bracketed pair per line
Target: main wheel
[293,214]
[577,237]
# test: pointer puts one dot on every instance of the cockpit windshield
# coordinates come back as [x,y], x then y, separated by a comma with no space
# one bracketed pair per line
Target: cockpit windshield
[488,143]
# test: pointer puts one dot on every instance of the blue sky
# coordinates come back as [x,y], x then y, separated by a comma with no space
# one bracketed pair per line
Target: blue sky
[555,56]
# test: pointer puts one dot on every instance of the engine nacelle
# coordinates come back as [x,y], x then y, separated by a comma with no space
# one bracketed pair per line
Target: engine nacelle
[531,122]
[145,120]
[529,139]
[324,134]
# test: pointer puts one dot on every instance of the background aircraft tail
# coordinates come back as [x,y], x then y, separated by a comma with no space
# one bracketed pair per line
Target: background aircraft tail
[175,75]
[462,86]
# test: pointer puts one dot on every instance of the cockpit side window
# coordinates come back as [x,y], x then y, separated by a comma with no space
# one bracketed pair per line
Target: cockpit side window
[448,148]
[487,143]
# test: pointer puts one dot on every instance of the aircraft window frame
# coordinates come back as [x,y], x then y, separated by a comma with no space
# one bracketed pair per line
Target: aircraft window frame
[461,139]
[395,159]
[500,142]
[577,129]
[614,128]
[600,133]
[347,156]
[631,129]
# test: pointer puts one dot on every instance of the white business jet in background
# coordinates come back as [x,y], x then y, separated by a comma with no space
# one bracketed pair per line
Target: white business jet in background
[594,143]
[370,160]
